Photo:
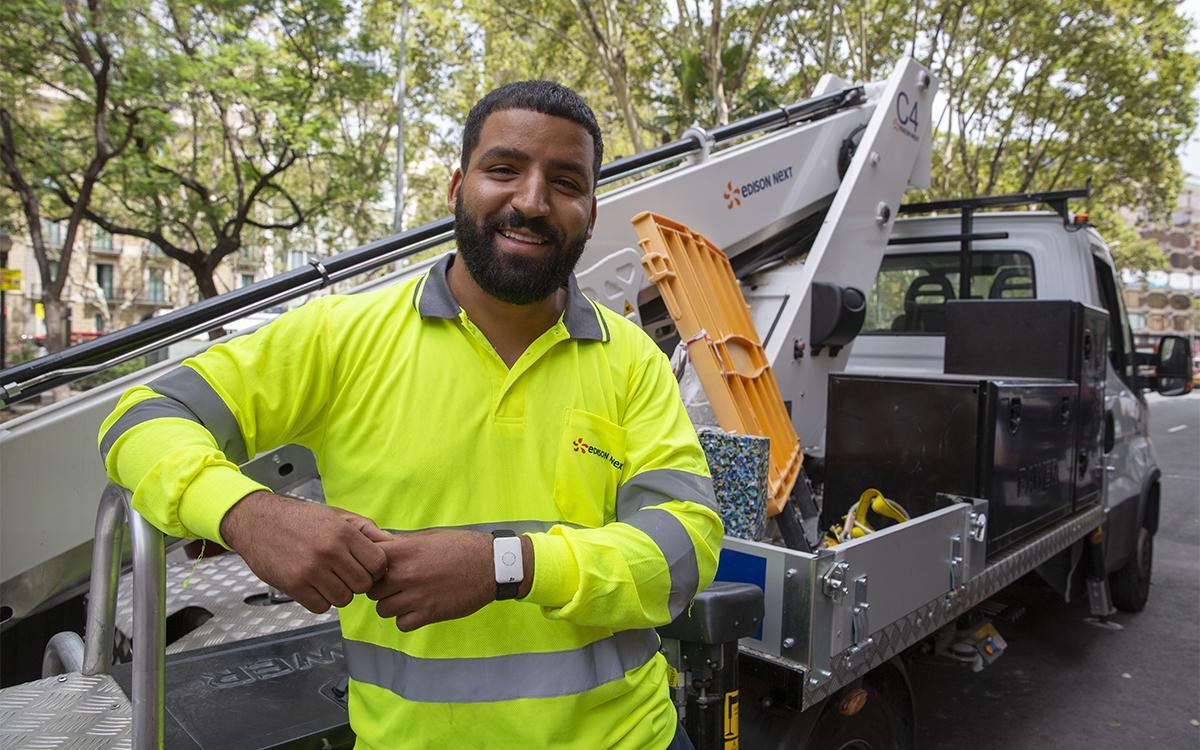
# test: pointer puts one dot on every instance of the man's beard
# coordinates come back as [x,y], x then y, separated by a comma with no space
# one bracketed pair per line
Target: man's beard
[513,278]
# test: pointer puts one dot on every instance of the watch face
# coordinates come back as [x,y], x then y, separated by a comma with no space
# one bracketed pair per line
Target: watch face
[506,554]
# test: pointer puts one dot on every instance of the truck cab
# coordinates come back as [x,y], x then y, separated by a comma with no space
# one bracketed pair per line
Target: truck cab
[1042,256]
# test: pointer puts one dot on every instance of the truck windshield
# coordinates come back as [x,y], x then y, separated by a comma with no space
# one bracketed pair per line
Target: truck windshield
[911,290]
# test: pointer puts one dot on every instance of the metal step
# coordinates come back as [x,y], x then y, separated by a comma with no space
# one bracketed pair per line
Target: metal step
[221,586]
[70,711]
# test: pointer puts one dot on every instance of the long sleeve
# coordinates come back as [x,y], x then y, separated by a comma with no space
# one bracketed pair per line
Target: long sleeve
[177,441]
[643,569]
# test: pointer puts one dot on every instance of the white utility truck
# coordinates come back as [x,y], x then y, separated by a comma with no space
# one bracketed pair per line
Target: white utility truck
[976,365]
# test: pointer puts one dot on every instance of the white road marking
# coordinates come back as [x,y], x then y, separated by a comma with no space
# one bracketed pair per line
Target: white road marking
[1177,428]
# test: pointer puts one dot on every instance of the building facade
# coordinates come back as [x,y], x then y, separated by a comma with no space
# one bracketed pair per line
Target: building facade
[1167,301]
[113,282]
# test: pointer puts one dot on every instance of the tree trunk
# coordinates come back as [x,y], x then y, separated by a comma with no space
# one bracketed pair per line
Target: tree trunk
[205,283]
[621,89]
[207,287]
[55,312]
[716,68]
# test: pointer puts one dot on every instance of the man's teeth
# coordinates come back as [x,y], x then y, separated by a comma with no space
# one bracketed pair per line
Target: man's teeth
[532,239]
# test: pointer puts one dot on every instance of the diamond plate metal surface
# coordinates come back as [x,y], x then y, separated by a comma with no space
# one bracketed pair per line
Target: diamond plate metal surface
[219,585]
[925,620]
[70,711]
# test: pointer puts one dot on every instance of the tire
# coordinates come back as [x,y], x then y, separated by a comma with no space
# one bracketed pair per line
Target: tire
[1130,586]
[884,723]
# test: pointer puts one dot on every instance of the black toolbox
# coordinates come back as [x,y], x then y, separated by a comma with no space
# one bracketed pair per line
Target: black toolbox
[1018,419]
[1011,441]
[1036,338]
[912,438]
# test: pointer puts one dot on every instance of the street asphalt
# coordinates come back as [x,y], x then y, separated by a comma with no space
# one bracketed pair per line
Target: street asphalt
[1066,684]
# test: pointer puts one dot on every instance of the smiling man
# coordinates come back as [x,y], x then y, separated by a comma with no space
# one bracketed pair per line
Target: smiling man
[515,495]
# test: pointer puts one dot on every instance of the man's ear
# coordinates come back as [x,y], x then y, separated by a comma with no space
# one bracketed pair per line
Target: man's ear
[456,185]
[592,220]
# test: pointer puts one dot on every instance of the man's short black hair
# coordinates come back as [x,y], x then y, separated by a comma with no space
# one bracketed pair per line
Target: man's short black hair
[545,97]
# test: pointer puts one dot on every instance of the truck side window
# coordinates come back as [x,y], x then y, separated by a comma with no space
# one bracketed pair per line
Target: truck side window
[1120,349]
[911,289]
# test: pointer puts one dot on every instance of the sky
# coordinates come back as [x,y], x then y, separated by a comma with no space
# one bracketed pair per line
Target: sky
[1191,151]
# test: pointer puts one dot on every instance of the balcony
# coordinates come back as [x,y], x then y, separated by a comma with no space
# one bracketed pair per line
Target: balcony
[100,251]
[141,297]
[144,300]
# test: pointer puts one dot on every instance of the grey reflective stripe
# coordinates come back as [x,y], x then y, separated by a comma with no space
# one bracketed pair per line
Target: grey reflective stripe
[192,391]
[676,546]
[437,301]
[603,322]
[518,527]
[657,486]
[581,320]
[143,411]
[500,678]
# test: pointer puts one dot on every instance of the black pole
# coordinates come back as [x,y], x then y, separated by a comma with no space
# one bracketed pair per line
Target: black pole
[3,313]
[964,257]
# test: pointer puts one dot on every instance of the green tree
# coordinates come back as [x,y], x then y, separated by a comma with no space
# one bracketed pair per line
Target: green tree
[69,107]
[264,130]
[1042,95]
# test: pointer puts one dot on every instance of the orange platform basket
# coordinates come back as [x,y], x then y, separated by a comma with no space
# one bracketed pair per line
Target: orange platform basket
[702,294]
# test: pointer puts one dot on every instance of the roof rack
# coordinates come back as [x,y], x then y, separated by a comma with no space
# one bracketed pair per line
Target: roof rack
[1055,199]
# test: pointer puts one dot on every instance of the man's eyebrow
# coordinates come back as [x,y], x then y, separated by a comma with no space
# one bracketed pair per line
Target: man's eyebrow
[504,152]
[516,154]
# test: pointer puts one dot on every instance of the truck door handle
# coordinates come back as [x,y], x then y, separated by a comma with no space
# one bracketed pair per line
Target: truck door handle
[1014,415]
[1110,431]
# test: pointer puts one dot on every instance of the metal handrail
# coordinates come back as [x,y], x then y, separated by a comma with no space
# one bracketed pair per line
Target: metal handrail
[42,374]
[148,684]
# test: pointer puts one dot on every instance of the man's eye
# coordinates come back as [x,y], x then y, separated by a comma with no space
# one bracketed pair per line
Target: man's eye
[501,170]
[568,184]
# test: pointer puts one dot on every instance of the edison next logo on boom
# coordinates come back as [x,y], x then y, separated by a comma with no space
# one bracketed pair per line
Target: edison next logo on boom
[734,194]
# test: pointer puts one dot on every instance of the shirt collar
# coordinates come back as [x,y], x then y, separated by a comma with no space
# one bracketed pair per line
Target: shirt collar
[580,316]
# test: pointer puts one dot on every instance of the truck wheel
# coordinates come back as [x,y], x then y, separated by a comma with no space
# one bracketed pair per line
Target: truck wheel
[884,721]
[1131,584]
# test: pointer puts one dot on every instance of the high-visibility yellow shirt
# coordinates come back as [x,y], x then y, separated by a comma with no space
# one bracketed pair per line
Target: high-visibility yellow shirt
[416,422]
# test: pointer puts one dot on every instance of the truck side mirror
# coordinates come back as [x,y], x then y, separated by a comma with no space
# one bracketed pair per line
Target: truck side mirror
[1172,366]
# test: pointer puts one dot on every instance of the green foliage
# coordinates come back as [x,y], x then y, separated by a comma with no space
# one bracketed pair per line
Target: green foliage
[1130,251]
[112,373]
[272,122]
[24,351]
[1035,94]
[261,123]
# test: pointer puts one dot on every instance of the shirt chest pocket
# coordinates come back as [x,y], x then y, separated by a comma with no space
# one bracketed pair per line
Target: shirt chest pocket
[588,469]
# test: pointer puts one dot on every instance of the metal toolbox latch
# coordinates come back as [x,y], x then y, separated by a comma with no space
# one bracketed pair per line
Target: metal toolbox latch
[833,583]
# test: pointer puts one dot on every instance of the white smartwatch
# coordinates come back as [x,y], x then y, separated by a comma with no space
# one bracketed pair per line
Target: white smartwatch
[510,567]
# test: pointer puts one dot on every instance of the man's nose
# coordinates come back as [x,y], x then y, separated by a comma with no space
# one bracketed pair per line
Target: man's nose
[530,199]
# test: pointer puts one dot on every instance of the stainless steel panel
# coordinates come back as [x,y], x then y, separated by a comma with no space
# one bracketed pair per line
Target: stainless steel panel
[924,620]
[221,586]
[787,586]
[905,566]
[66,711]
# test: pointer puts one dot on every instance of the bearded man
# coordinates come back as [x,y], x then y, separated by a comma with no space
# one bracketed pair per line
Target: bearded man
[515,497]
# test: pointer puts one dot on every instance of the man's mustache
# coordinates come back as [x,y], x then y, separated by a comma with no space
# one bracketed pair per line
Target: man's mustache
[514,220]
